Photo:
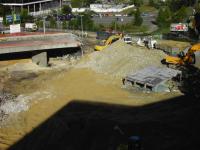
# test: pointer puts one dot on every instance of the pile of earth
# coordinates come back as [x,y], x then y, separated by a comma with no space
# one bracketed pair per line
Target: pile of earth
[4,99]
[120,59]
[11,104]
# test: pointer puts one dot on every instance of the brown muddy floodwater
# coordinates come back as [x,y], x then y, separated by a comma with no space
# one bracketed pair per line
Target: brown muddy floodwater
[46,91]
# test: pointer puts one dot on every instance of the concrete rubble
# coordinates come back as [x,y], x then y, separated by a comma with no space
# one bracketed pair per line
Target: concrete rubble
[4,99]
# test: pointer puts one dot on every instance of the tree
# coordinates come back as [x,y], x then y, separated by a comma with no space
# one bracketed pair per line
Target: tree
[4,10]
[131,13]
[164,17]
[52,22]
[136,2]
[81,3]
[73,24]
[138,19]
[76,3]
[25,17]
[177,4]
[88,23]
[151,3]
[64,25]
[39,23]
[66,9]
[180,15]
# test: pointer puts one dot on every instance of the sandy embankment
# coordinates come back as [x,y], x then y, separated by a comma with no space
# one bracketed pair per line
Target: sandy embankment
[95,78]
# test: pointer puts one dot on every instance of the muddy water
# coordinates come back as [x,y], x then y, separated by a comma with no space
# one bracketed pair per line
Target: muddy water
[50,91]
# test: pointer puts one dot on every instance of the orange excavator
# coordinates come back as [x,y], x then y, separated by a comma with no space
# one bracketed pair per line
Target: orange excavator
[184,57]
[108,42]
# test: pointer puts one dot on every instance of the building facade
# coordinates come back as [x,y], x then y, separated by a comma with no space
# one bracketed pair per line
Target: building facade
[34,5]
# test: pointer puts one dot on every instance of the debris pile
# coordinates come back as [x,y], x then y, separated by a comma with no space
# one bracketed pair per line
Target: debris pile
[4,98]
[120,59]
[10,103]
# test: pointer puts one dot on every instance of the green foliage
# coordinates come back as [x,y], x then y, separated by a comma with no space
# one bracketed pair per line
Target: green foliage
[138,19]
[66,9]
[39,23]
[99,27]
[53,11]
[177,4]
[137,3]
[164,17]
[114,26]
[72,24]
[76,3]
[64,25]
[88,23]
[151,3]
[52,22]
[180,15]
[4,10]
[81,3]
[25,17]
[131,13]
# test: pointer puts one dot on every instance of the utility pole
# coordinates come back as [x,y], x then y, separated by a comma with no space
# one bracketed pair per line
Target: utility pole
[81,34]
[60,4]
[44,25]
[81,26]
[115,26]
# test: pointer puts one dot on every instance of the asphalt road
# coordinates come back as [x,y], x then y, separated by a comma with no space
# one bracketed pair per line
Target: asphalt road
[147,20]
[109,19]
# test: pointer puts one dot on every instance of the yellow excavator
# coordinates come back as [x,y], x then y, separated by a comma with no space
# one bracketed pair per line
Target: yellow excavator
[107,42]
[184,57]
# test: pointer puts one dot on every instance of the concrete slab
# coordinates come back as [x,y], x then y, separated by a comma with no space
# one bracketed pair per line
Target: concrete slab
[152,77]
[48,43]
[39,44]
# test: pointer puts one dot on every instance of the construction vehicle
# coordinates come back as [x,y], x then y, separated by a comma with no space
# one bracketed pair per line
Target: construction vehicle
[128,39]
[31,27]
[184,57]
[107,42]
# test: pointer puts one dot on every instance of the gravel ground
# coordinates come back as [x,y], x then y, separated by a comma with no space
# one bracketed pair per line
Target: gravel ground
[120,59]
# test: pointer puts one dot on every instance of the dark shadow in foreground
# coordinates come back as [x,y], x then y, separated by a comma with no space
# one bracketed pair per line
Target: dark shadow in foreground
[81,125]
[191,81]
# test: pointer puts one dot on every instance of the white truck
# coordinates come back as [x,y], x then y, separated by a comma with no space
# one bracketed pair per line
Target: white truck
[128,39]
[30,27]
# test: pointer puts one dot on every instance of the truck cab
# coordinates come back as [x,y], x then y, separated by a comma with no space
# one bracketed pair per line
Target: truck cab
[128,39]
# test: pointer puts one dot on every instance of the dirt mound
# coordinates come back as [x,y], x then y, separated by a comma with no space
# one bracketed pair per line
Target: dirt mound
[120,59]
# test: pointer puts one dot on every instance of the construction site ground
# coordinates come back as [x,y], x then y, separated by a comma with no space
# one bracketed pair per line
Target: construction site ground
[80,103]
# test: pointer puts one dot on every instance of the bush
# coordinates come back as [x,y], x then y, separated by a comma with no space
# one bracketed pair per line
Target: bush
[66,10]
[138,19]
[64,25]
[180,15]
[52,22]
[25,17]
[164,17]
